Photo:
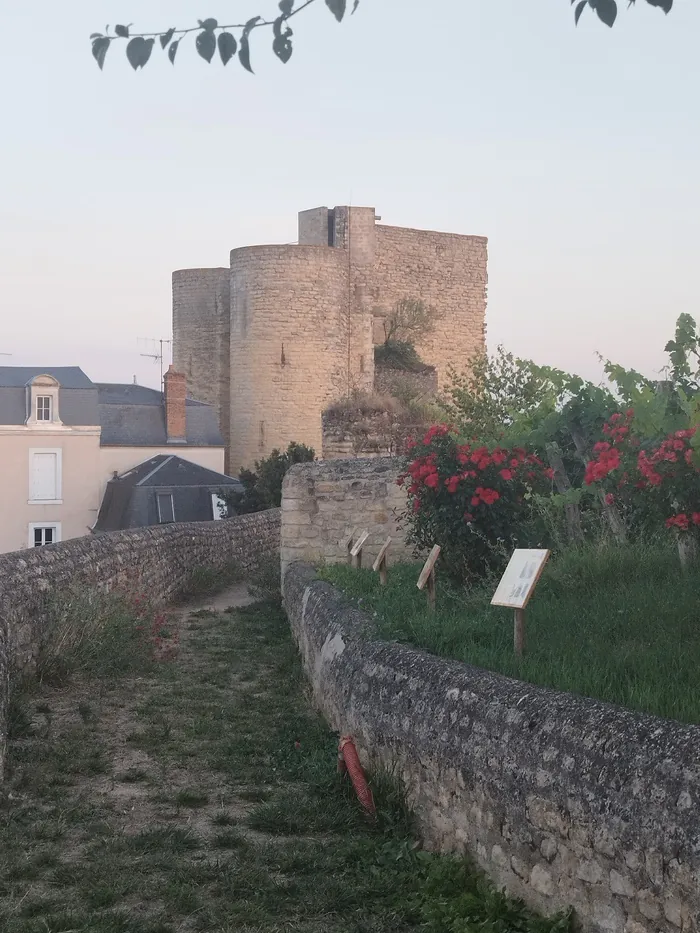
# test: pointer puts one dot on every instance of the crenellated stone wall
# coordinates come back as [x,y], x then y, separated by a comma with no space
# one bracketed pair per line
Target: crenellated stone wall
[562,800]
[160,560]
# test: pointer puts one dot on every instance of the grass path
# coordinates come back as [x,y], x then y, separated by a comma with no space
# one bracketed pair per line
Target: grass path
[202,796]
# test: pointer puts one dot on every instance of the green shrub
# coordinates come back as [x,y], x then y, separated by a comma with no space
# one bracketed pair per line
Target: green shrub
[263,488]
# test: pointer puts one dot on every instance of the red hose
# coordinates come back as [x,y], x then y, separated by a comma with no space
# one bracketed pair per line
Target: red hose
[348,753]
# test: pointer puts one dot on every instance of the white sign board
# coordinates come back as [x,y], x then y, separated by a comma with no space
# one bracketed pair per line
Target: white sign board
[521,575]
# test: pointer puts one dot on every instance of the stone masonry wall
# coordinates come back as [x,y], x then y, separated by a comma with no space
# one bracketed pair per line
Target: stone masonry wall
[202,339]
[295,328]
[323,502]
[562,800]
[159,559]
[289,346]
[444,270]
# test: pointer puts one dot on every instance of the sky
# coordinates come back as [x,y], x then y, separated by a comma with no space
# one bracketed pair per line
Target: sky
[575,151]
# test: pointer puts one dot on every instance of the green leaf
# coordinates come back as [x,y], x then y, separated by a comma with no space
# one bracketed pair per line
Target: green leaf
[227,47]
[244,45]
[607,11]
[281,45]
[99,49]
[665,5]
[286,7]
[122,31]
[355,6]
[138,51]
[579,10]
[337,8]
[208,24]
[166,37]
[96,35]
[206,44]
[172,51]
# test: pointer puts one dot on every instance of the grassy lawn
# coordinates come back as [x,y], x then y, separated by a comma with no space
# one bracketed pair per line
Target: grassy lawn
[621,625]
[200,794]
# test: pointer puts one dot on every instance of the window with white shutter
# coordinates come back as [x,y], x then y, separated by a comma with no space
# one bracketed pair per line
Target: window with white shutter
[45,475]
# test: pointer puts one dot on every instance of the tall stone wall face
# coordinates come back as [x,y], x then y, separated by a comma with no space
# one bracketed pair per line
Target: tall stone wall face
[562,800]
[289,346]
[202,340]
[444,270]
[159,560]
[325,501]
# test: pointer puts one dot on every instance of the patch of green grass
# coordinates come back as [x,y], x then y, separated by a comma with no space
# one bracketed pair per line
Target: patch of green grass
[303,858]
[190,797]
[615,623]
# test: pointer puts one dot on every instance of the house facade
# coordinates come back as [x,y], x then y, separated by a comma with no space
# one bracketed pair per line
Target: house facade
[63,437]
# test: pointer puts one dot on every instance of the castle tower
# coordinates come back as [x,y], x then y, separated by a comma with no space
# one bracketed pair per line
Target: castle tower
[289,329]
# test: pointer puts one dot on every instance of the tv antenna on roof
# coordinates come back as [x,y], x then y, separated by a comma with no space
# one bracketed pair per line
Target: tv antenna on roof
[157,354]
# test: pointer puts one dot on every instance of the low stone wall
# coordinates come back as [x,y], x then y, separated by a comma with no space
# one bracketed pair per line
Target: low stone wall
[322,502]
[562,800]
[160,560]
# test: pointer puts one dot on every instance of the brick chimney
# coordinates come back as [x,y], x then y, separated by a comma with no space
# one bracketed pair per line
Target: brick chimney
[175,401]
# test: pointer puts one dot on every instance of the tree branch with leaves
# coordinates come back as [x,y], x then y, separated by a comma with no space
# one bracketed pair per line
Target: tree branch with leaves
[211,35]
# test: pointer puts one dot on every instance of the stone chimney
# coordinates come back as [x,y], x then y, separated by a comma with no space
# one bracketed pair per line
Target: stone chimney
[175,402]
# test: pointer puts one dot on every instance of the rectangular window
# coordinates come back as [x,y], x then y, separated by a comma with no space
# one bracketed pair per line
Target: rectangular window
[44,475]
[166,509]
[219,507]
[39,535]
[43,408]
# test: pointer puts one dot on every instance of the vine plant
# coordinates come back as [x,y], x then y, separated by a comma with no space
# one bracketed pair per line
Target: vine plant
[211,35]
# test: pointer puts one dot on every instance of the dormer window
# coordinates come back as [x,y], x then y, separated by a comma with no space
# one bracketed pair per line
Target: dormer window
[43,407]
[42,401]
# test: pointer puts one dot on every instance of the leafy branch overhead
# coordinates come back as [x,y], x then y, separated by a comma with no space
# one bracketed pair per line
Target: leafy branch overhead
[212,35]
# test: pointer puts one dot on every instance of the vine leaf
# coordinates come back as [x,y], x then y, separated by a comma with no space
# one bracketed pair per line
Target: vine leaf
[282,45]
[607,11]
[99,49]
[666,5]
[227,47]
[355,6]
[172,51]
[138,51]
[337,8]
[244,45]
[206,44]
[208,24]
[166,37]
[286,7]
[579,10]
[122,31]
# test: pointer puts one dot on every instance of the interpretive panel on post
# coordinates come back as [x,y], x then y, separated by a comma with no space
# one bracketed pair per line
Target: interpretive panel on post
[520,577]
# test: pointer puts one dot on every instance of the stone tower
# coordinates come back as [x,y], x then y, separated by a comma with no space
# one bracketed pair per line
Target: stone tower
[286,330]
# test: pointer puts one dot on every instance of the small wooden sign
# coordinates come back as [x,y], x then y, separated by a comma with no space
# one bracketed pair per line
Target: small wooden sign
[346,544]
[426,580]
[380,563]
[356,552]
[517,586]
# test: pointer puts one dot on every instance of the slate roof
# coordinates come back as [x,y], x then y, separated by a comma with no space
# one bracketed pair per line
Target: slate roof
[130,499]
[134,416]
[69,377]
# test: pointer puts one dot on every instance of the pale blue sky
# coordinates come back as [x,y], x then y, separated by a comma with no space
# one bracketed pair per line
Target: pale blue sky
[575,151]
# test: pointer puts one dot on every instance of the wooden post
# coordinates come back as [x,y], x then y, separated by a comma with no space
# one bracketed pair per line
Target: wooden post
[356,552]
[380,563]
[426,580]
[346,543]
[519,632]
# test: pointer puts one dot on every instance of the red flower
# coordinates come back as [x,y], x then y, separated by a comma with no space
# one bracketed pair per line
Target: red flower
[549,473]
[433,480]
[506,474]
[680,521]
[476,500]
[468,517]
[452,483]
[609,499]
[498,456]
[416,505]
[696,518]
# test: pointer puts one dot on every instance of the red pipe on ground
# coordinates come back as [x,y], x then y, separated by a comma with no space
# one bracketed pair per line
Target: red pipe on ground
[348,754]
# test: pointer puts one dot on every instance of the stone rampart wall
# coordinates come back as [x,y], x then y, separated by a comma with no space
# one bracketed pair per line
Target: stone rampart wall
[159,560]
[562,800]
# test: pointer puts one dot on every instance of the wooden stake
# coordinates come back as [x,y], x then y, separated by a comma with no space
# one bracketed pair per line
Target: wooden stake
[427,576]
[380,563]
[519,632]
[356,552]
[347,544]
